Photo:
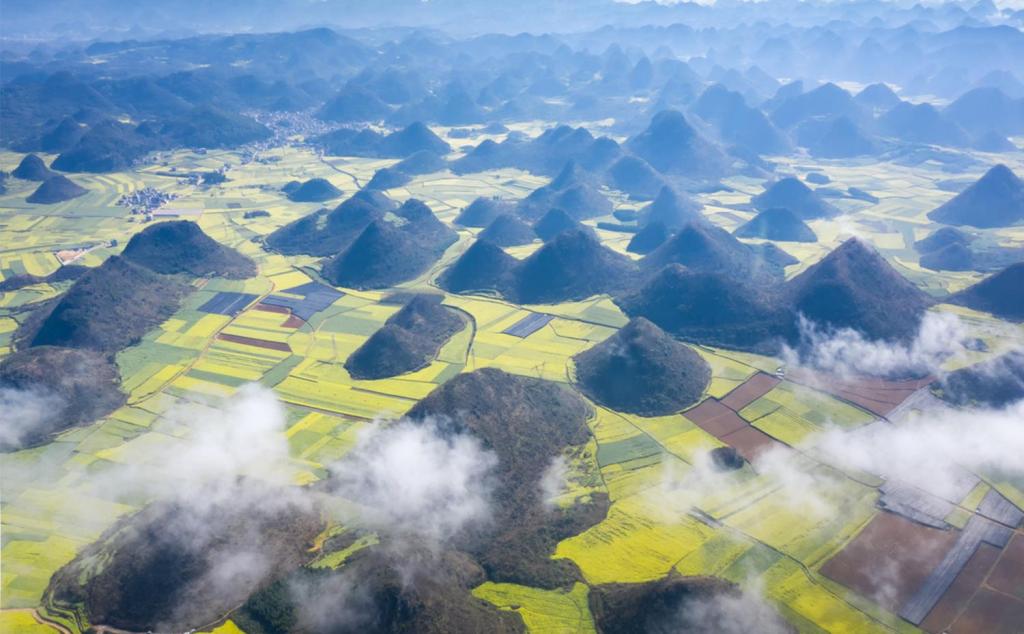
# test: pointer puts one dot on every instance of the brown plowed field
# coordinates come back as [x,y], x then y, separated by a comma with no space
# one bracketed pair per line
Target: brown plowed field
[1008,576]
[890,559]
[269,308]
[752,389]
[715,418]
[991,613]
[259,343]
[875,395]
[751,442]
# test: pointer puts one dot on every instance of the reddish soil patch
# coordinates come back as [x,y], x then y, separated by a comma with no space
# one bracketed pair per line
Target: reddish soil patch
[1008,576]
[890,559]
[259,343]
[874,402]
[268,308]
[751,442]
[726,425]
[752,389]
[878,396]
[964,586]
[991,613]
[715,418]
[293,321]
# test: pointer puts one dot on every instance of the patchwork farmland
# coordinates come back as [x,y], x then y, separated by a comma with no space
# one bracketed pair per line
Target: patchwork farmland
[955,560]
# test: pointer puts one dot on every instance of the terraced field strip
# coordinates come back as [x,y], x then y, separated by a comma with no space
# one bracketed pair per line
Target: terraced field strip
[169,374]
[258,343]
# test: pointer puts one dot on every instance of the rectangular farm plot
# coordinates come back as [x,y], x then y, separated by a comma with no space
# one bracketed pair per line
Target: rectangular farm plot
[784,426]
[992,613]
[1006,577]
[809,598]
[609,426]
[206,325]
[325,387]
[786,519]
[272,308]
[289,278]
[362,321]
[505,321]
[689,444]
[27,566]
[306,300]
[528,325]
[568,329]
[1011,490]
[280,346]
[997,507]
[633,544]
[187,386]
[915,504]
[259,324]
[959,594]
[715,418]
[726,425]
[978,530]
[875,395]
[286,320]
[890,559]
[813,406]
[750,442]
[227,303]
[715,556]
[632,448]
[754,388]
[676,435]
[484,311]
[727,374]
[239,361]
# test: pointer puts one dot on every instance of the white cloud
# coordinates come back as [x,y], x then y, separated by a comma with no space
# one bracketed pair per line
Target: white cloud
[331,603]
[25,411]
[411,481]
[846,352]
[792,478]
[930,449]
[220,442]
[801,486]
[733,613]
[554,482]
